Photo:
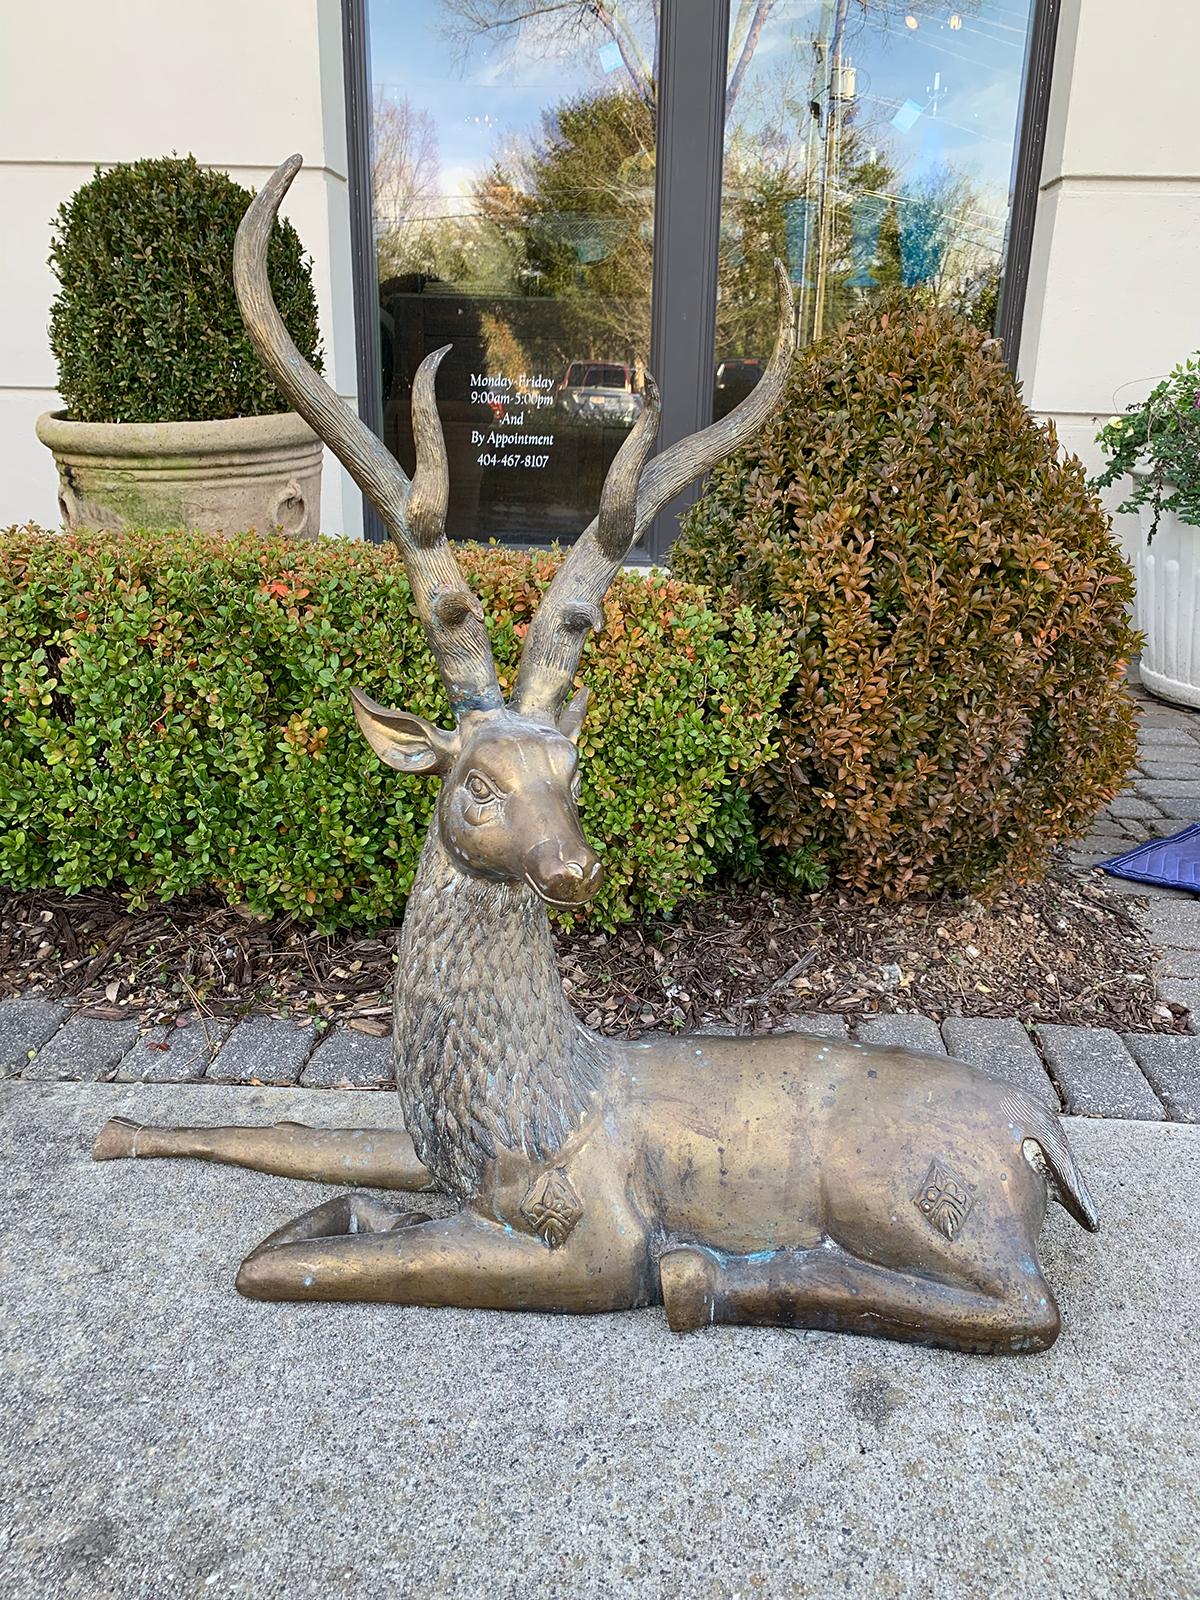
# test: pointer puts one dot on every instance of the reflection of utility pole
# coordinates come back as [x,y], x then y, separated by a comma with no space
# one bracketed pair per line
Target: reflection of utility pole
[830,156]
[812,144]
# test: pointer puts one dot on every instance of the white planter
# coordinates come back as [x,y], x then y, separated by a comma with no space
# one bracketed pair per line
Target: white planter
[1168,607]
[221,477]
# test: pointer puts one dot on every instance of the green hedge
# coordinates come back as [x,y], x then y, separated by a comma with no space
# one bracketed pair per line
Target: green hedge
[174,716]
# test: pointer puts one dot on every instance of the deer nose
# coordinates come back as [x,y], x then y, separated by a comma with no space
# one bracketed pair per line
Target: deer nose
[565,875]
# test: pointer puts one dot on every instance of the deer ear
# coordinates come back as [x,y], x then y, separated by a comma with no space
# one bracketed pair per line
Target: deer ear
[402,740]
[570,721]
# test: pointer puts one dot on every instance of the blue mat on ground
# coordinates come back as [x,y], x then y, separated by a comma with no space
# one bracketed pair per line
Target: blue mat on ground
[1173,863]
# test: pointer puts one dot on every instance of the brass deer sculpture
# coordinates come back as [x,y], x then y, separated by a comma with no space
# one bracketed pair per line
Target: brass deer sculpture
[781,1179]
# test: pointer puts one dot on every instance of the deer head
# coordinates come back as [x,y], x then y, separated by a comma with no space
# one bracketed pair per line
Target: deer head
[510,783]
[508,803]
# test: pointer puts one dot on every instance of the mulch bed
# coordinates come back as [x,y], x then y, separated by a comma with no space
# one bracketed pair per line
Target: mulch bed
[1065,950]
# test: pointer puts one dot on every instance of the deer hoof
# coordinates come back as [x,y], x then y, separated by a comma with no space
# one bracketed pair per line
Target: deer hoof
[688,1281]
[116,1140]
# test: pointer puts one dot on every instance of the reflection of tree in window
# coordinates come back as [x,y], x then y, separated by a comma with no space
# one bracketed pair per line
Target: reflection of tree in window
[549,28]
[628,29]
[574,206]
[818,168]
[404,170]
[575,212]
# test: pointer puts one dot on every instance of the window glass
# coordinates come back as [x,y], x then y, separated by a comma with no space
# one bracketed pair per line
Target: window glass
[513,197]
[869,145]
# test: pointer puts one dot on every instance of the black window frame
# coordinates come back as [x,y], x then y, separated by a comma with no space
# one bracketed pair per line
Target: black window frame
[692,57]
[1034,109]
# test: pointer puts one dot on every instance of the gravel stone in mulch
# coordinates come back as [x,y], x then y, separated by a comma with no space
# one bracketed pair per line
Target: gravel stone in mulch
[1062,951]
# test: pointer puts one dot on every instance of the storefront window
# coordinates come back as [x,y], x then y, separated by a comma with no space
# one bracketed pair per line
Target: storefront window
[513,199]
[869,144]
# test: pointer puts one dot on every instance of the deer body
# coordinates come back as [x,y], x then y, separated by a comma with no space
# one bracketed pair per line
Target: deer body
[701,1117]
[696,1151]
[781,1179]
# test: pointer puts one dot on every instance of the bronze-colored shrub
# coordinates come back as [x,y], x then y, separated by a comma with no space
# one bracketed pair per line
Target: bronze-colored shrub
[957,603]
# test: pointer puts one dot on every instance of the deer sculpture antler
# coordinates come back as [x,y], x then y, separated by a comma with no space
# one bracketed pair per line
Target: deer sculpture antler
[630,501]
[784,1179]
[415,514]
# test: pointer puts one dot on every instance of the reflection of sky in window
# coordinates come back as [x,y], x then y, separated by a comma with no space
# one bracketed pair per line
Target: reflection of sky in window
[963,83]
[963,117]
[497,93]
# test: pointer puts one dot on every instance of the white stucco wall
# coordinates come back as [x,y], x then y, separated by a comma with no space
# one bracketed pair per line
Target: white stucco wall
[1114,291]
[238,83]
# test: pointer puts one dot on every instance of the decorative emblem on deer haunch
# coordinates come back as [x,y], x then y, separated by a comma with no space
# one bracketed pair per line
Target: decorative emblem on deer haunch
[779,1179]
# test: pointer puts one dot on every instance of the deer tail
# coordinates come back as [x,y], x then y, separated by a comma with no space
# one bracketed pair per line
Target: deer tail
[1045,1147]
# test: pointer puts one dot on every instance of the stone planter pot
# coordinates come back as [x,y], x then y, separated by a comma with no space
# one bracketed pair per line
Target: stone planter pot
[1168,609]
[222,477]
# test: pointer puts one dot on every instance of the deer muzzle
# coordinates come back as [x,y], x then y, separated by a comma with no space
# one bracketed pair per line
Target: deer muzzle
[564,873]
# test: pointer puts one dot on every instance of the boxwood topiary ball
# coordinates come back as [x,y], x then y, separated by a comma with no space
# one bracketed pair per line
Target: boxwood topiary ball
[146,326]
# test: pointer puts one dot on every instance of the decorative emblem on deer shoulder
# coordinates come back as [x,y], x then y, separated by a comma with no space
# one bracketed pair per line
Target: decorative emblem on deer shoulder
[782,1179]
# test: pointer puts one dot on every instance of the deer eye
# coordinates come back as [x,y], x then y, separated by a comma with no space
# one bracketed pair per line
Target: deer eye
[480,789]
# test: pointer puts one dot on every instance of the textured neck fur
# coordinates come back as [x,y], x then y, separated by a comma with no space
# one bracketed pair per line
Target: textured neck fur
[488,1052]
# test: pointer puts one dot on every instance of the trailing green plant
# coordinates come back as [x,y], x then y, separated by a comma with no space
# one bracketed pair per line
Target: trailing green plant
[1158,441]
[146,326]
[175,716]
[956,601]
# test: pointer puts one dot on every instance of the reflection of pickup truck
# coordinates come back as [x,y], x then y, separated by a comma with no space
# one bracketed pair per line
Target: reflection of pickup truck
[599,391]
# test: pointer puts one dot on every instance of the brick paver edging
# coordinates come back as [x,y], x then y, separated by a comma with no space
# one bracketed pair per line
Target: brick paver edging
[1083,1071]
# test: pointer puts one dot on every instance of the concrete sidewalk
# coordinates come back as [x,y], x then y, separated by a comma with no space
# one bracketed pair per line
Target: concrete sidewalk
[162,1438]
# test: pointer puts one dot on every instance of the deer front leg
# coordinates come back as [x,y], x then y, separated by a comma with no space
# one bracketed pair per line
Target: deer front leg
[343,1216]
[373,1157]
[466,1260]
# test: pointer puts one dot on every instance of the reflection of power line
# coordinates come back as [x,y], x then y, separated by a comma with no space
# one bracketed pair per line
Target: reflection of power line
[990,14]
[896,197]
[972,23]
[992,38]
[1020,9]
[426,218]
[976,133]
[957,55]
[574,219]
